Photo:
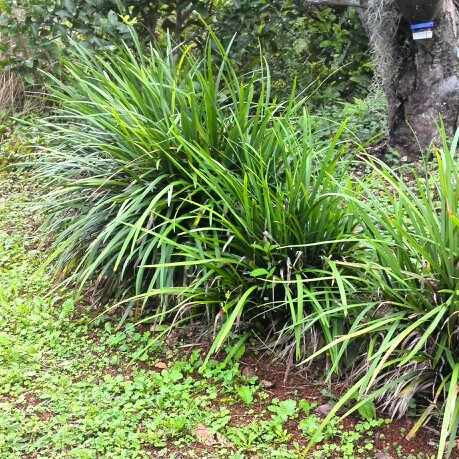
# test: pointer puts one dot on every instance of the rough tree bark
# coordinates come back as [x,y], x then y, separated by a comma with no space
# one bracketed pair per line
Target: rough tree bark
[425,83]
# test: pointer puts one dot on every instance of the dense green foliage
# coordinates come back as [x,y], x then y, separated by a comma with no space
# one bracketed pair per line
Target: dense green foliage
[67,391]
[192,189]
[187,193]
[324,49]
[307,43]
[34,33]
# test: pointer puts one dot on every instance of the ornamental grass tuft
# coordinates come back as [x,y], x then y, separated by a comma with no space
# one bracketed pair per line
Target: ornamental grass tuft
[411,356]
[186,192]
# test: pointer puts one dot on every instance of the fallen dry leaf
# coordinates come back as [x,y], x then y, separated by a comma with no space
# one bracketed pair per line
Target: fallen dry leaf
[205,435]
[380,455]
[160,365]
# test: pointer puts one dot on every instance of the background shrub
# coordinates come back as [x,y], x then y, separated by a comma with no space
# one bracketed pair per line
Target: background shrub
[310,44]
[324,48]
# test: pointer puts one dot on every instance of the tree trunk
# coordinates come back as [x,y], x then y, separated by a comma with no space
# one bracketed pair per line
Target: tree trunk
[427,84]
[424,82]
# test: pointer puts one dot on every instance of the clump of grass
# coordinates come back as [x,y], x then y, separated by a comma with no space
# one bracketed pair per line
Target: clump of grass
[412,341]
[186,192]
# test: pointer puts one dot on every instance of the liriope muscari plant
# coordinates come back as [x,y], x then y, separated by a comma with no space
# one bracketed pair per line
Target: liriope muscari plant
[184,191]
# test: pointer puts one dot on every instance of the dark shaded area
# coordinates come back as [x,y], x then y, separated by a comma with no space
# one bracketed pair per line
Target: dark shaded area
[416,11]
